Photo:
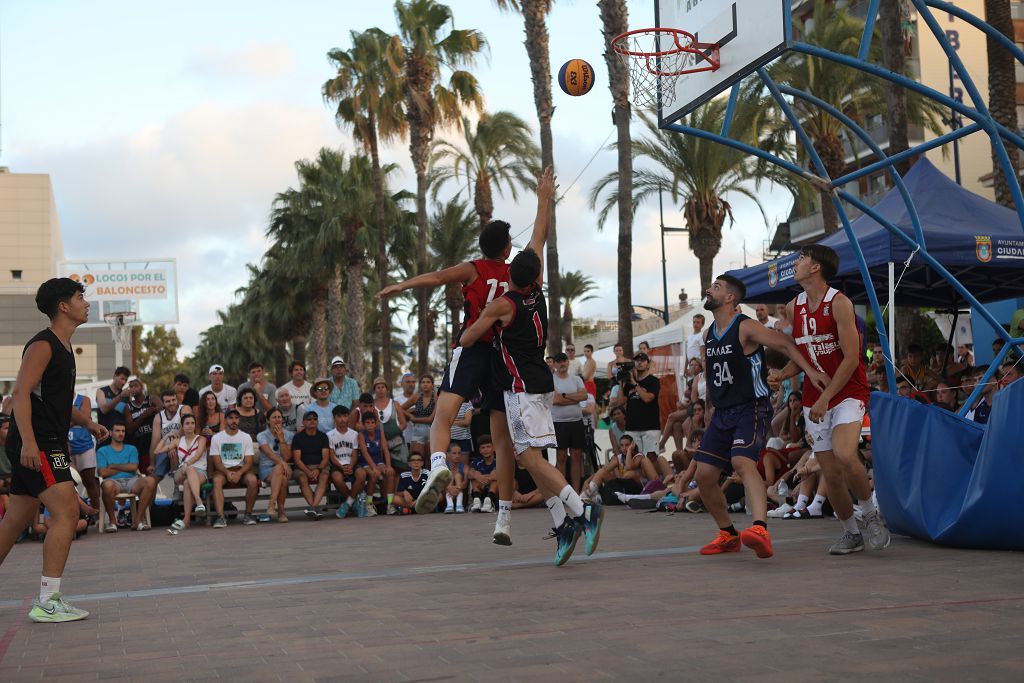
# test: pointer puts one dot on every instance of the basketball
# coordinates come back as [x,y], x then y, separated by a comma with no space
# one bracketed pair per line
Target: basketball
[576,77]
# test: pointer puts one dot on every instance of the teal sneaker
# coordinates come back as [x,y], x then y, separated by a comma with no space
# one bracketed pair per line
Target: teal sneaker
[565,539]
[55,611]
[342,511]
[593,517]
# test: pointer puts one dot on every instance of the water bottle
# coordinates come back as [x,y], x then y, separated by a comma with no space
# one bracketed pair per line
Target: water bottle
[783,488]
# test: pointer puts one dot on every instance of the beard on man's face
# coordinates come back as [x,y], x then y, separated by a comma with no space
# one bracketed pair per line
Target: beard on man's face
[710,303]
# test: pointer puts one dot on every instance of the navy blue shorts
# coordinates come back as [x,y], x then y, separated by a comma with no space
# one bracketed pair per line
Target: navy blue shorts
[736,431]
[469,372]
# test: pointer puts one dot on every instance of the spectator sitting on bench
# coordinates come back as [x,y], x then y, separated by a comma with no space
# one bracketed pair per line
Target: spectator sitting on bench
[376,460]
[411,483]
[456,489]
[344,442]
[118,464]
[311,453]
[189,460]
[483,477]
[231,456]
[289,411]
[275,459]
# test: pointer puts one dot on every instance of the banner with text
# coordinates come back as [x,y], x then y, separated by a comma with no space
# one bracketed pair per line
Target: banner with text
[115,285]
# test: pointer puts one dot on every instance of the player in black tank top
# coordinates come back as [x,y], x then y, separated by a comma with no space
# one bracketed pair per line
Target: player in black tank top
[36,446]
[520,321]
[735,435]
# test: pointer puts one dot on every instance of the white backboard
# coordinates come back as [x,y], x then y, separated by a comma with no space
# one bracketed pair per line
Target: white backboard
[147,287]
[751,34]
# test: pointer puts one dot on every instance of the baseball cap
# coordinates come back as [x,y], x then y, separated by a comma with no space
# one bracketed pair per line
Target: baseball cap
[215,368]
[337,360]
[560,356]
[641,356]
[311,414]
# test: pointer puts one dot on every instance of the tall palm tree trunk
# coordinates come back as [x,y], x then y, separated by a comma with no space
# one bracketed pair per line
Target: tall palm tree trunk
[335,330]
[534,12]
[483,202]
[299,348]
[280,363]
[567,323]
[381,255]
[356,315]
[894,59]
[318,335]
[1002,92]
[615,20]
[832,154]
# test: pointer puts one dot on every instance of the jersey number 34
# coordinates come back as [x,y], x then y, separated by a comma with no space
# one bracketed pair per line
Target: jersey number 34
[722,374]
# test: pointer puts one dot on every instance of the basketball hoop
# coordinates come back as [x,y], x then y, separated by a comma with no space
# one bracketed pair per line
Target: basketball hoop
[121,324]
[656,57]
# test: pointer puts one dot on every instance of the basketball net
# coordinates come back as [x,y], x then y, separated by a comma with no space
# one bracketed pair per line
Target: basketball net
[656,57]
[121,325]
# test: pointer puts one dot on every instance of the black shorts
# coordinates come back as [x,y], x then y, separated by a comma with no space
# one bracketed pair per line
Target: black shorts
[54,467]
[570,435]
[469,371]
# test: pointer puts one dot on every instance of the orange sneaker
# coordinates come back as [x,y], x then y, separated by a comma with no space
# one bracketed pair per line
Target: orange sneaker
[758,539]
[723,543]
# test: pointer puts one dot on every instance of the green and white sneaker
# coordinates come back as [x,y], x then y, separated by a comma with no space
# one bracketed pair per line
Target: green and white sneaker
[55,610]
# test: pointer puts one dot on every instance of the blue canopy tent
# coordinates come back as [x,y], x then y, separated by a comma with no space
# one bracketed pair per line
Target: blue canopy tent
[978,241]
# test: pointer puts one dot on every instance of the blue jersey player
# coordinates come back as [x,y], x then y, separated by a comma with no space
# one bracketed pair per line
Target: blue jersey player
[737,380]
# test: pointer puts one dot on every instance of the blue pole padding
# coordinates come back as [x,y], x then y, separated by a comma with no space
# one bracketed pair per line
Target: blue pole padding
[897,179]
[987,122]
[869,30]
[943,139]
[862,264]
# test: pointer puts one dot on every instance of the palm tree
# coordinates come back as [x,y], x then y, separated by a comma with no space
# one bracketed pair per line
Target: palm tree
[291,227]
[615,20]
[453,229]
[535,23]
[1002,92]
[369,90]
[430,47]
[891,26]
[576,288]
[701,174]
[500,152]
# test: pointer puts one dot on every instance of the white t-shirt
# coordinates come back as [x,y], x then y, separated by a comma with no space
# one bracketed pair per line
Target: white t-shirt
[227,397]
[575,367]
[693,344]
[231,449]
[344,445]
[588,418]
[300,394]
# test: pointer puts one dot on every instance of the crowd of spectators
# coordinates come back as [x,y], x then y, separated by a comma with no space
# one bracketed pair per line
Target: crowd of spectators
[363,453]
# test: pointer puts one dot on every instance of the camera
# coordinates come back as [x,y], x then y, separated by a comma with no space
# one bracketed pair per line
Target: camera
[624,375]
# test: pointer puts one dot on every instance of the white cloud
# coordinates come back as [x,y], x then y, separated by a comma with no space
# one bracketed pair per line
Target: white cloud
[256,61]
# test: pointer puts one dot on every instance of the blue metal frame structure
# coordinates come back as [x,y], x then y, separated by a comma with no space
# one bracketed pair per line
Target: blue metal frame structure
[979,114]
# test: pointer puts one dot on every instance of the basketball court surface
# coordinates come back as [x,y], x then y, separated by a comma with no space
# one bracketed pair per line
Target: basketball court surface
[430,598]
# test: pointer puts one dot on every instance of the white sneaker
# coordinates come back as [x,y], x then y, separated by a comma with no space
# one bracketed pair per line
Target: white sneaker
[371,509]
[200,509]
[109,528]
[488,506]
[502,530]
[142,527]
[460,509]
[392,510]
[449,510]
[475,507]
[780,512]
[437,482]
[622,497]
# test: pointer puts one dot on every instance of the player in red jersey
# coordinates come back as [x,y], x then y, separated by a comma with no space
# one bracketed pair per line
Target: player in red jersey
[469,372]
[825,331]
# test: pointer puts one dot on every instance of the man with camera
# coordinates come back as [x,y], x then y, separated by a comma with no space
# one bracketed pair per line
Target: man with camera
[639,395]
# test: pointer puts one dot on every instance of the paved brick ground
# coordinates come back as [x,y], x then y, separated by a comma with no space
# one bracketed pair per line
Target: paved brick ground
[399,599]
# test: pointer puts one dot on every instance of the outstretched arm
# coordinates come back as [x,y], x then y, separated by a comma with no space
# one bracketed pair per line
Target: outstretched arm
[753,331]
[464,272]
[545,205]
[499,309]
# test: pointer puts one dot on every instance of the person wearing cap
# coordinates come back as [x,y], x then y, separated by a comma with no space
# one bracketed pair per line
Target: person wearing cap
[299,389]
[231,459]
[321,405]
[643,416]
[227,395]
[311,455]
[344,389]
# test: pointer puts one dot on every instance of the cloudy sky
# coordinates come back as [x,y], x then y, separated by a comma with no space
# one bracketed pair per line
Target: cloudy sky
[167,129]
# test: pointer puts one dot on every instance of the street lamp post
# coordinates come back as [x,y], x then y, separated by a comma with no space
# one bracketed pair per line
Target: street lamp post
[664,266]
